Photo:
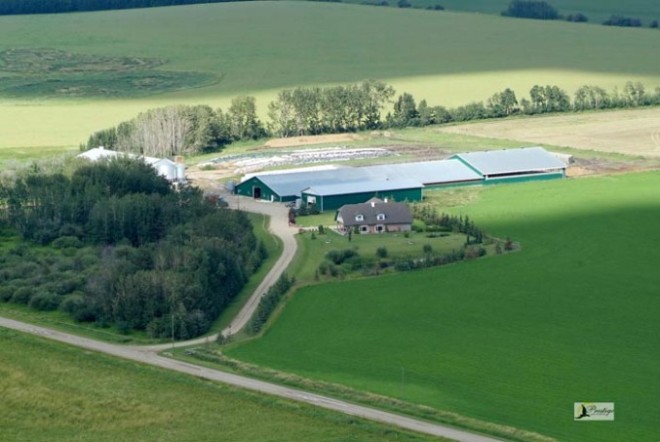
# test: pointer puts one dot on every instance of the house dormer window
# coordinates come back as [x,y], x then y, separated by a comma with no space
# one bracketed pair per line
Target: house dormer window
[359,217]
[380,217]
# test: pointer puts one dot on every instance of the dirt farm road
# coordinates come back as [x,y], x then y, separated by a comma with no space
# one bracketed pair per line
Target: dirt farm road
[152,358]
[149,354]
[279,225]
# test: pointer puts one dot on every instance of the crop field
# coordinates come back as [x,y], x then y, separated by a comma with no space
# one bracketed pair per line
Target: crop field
[84,396]
[632,132]
[65,76]
[596,10]
[514,340]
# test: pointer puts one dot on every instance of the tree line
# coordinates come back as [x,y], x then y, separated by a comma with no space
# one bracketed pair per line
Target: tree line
[541,10]
[114,244]
[178,130]
[13,7]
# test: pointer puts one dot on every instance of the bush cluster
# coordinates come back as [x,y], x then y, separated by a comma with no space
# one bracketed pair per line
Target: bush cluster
[268,303]
[114,244]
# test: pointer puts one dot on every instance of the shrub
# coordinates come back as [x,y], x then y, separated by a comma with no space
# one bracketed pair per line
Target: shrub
[381,252]
[617,20]
[577,18]
[539,10]
[6,293]
[64,242]
[269,302]
[428,249]
[339,256]
[45,301]
[72,303]
[22,295]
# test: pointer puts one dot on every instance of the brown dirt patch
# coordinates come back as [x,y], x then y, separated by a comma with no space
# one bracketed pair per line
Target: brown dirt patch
[633,132]
[311,139]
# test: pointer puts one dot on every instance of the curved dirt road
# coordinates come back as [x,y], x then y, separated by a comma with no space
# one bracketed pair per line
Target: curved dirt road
[279,226]
[151,358]
[148,354]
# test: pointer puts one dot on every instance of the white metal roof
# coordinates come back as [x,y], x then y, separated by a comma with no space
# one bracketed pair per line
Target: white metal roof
[427,172]
[527,159]
[291,184]
[98,153]
[362,186]
[101,152]
[430,172]
[247,176]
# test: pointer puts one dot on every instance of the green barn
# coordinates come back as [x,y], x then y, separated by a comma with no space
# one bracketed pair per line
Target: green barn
[334,196]
[286,186]
[261,187]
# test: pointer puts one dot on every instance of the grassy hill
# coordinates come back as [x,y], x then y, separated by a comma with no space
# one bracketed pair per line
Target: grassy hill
[596,10]
[85,396]
[223,50]
[514,339]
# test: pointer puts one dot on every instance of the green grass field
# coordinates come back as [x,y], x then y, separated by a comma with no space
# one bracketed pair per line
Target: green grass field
[313,251]
[596,10]
[52,392]
[257,48]
[514,340]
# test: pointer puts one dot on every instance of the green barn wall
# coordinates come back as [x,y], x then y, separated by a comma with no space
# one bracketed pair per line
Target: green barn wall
[524,178]
[333,202]
[246,188]
[456,184]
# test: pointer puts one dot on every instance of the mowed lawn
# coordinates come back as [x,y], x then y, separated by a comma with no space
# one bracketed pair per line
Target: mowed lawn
[52,392]
[515,339]
[258,48]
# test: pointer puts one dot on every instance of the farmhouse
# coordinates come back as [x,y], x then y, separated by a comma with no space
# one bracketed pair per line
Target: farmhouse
[374,216]
[508,165]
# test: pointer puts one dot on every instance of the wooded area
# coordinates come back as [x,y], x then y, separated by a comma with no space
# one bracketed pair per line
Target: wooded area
[114,244]
[179,130]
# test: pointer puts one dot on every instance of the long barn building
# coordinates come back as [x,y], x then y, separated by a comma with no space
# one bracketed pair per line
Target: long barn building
[331,189]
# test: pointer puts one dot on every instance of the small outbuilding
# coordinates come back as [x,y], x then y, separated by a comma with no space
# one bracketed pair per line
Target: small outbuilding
[374,216]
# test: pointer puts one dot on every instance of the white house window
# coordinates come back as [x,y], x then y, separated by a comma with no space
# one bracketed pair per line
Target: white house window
[380,228]
[359,217]
[364,229]
[380,217]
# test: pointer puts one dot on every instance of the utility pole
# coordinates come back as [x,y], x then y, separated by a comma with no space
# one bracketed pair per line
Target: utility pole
[172,316]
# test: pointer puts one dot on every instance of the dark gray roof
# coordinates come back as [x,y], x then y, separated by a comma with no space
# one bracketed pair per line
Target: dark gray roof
[527,159]
[362,186]
[395,213]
